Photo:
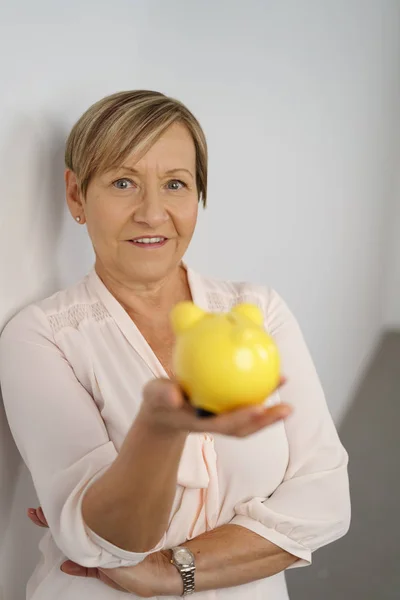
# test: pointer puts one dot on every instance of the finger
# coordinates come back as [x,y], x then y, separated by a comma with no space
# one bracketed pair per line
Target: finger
[247,420]
[232,422]
[262,420]
[71,568]
[34,518]
[282,381]
[270,414]
[75,570]
[41,516]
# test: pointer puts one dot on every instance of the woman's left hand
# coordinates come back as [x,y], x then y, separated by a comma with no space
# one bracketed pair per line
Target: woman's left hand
[154,576]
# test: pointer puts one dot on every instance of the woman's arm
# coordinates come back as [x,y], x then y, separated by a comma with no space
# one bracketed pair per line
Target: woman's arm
[225,557]
[232,555]
[131,503]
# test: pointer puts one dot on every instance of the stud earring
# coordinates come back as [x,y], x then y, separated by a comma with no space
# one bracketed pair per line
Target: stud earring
[78,219]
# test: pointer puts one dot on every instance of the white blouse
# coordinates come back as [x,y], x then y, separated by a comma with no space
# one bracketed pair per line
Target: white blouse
[72,369]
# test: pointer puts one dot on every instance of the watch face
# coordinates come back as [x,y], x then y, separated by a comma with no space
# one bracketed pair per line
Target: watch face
[183,557]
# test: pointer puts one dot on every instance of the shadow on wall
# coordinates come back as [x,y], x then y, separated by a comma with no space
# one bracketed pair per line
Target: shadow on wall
[31,215]
[32,191]
[19,539]
[9,471]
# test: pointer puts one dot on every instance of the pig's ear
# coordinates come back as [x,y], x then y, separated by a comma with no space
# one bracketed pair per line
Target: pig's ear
[250,311]
[184,315]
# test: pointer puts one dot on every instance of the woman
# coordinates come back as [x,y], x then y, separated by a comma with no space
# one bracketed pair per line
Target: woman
[124,469]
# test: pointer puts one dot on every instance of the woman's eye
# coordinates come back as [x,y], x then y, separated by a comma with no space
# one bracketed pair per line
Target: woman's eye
[122,184]
[175,184]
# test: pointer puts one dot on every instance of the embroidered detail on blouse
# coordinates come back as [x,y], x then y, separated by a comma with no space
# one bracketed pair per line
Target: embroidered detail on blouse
[218,302]
[74,316]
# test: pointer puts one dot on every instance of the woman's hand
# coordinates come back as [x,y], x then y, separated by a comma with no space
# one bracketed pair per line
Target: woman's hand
[37,517]
[155,576]
[165,407]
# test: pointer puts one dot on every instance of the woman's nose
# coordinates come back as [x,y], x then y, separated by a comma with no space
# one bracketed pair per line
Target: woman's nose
[151,211]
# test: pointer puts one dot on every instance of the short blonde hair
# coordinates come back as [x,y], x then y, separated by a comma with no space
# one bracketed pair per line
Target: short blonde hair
[125,122]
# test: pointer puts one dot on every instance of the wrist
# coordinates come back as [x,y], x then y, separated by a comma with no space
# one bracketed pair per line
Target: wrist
[173,584]
[184,561]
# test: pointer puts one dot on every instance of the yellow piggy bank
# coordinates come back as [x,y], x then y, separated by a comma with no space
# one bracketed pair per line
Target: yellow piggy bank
[223,361]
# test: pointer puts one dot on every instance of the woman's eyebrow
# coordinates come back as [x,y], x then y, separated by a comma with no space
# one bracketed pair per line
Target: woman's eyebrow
[169,172]
[126,168]
[172,171]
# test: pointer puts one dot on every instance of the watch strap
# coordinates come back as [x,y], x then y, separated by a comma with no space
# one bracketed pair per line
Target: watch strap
[188,580]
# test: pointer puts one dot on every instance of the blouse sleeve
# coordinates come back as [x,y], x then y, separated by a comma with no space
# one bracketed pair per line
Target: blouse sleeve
[311,507]
[60,434]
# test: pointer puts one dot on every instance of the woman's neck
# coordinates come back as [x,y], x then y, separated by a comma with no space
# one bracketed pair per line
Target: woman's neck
[149,299]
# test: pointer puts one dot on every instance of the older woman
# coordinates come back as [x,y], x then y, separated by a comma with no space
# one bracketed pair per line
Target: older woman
[134,485]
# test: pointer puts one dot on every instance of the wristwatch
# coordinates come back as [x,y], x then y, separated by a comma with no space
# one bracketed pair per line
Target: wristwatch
[183,560]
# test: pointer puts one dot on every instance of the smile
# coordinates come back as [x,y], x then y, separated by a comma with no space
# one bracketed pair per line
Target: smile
[149,242]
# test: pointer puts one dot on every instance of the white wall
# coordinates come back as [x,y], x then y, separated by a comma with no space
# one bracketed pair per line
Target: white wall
[299,101]
[391,306]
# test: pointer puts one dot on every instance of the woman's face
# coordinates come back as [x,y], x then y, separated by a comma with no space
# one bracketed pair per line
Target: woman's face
[141,217]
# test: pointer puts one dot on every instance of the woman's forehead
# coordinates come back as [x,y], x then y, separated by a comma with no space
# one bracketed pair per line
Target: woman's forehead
[173,150]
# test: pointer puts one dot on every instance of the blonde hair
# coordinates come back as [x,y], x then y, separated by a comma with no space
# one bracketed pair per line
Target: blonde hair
[126,122]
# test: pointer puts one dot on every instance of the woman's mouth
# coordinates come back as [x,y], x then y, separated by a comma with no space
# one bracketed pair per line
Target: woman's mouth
[148,242]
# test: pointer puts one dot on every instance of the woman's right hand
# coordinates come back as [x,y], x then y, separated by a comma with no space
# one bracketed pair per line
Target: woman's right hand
[165,408]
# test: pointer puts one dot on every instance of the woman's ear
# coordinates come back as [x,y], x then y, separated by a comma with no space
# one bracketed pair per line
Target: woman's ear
[74,196]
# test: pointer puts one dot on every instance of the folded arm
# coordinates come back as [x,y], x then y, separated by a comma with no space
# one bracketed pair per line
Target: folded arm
[225,557]
[232,555]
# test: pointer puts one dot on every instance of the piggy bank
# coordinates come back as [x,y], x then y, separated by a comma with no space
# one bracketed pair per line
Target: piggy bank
[223,361]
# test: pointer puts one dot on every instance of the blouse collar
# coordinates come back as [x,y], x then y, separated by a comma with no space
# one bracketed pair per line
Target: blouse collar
[127,325]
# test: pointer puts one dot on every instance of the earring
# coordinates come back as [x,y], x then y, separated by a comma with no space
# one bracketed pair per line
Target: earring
[78,219]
